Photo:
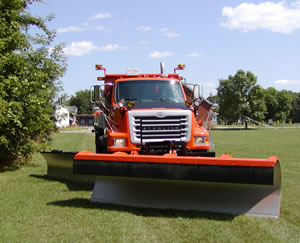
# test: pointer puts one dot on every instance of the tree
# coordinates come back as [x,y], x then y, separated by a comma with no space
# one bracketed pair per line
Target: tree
[285,100]
[29,73]
[295,112]
[279,104]
[271,103]
[82,100]
[240,95]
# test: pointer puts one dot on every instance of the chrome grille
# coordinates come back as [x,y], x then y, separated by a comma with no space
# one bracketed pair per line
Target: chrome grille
[149,128]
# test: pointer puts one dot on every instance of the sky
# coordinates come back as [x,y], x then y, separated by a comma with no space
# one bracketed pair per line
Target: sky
[213,39]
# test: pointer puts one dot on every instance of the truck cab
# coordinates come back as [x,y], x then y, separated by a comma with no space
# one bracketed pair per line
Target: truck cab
[148,114]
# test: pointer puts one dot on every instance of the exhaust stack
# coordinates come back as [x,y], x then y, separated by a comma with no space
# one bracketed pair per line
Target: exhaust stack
[162,69]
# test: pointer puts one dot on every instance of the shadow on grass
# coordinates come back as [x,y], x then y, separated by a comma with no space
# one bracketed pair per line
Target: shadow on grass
[145,212]
[4,168]
[72,186]
[14,167]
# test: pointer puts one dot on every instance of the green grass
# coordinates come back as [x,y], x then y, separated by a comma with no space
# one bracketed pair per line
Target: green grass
[36,209]
[74,141]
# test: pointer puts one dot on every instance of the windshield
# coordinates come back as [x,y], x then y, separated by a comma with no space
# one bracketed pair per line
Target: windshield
[149,91]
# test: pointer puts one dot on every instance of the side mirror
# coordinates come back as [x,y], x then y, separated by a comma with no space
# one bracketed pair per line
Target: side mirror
[193,91]
[95,94]
[198,91]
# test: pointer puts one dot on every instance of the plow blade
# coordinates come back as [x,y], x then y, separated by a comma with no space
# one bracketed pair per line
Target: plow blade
[60,166]
[219,184]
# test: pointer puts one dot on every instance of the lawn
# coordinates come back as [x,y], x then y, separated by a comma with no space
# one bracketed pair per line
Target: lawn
[34,208]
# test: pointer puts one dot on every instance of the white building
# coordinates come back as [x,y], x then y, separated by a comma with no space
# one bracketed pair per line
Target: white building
[61,116]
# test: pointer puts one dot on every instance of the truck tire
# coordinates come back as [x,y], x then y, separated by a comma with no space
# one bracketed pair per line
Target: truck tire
[101,144]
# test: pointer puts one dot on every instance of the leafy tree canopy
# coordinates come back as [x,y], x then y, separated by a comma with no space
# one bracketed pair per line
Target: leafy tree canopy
[295,112]
[29,74]
[240,95]
[279,104]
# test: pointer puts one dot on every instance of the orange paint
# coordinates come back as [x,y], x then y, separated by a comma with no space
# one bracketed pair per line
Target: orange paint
[223,160]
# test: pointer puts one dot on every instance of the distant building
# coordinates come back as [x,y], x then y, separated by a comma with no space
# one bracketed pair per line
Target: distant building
[85,119]
[73,112]
[61,117]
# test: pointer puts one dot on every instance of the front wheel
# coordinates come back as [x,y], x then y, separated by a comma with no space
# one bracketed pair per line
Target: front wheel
[100,140]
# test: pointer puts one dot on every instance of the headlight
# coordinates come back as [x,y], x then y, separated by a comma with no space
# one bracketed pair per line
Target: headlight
[119,142]
[201,140]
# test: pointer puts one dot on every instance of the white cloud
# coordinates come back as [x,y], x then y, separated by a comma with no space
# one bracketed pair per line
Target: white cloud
[287,82]
[99,27]
[157,54]
[85,47]
[71,28]
[79,48]
[166,33]
[194,55]
[277,17]
[144,28]
[85,27]
[104,15]
[109,47]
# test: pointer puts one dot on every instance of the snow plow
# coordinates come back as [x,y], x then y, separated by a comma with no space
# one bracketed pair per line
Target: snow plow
[152,150]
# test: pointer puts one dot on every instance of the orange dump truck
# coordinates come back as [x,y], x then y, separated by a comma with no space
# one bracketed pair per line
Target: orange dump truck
[152,152]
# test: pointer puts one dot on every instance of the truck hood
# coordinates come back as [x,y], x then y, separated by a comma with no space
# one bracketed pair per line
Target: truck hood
[153,105]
